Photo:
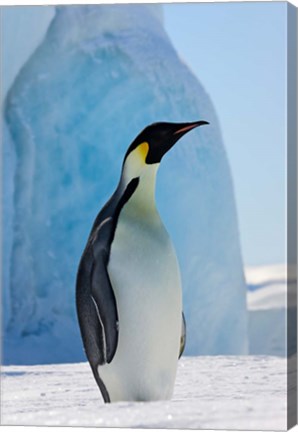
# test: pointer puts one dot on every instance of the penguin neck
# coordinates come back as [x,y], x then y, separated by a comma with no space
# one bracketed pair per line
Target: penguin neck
[142,202]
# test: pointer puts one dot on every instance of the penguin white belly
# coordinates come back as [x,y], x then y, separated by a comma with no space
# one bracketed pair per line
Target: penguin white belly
[145,276]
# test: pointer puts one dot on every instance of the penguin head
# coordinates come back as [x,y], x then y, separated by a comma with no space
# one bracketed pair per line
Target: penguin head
[149,147]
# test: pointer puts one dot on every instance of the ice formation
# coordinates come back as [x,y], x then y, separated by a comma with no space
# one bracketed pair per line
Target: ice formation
[101,74]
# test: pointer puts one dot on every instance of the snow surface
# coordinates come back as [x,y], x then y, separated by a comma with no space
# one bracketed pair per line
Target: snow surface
[211,393]
[234,392]
[99,76]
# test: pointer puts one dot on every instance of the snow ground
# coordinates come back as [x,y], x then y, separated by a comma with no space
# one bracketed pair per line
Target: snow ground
[211,393]
[234,392]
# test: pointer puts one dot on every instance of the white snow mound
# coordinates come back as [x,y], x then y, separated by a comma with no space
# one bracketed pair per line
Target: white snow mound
[211,393]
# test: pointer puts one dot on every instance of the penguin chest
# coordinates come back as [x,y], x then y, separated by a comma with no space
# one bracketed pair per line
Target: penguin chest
[145,276]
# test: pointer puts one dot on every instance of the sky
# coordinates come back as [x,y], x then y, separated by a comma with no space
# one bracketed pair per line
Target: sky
[238,52]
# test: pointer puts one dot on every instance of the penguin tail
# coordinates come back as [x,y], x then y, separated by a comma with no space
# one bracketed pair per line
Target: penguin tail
[100,383]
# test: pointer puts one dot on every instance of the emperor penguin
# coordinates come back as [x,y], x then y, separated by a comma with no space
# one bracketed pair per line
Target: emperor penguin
[128,290]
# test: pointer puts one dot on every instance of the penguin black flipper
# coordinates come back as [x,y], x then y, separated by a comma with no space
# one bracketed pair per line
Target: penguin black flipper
[95,298]
[102,293]
[96,304]
[183,336]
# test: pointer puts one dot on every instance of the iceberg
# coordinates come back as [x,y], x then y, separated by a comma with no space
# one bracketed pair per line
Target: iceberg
[100,75]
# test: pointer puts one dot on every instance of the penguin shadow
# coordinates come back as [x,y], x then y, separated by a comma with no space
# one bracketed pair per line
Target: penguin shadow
[12,374]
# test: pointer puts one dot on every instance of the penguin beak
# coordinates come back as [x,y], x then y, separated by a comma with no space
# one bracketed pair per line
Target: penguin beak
[179,130]
[167,136]
[186,127]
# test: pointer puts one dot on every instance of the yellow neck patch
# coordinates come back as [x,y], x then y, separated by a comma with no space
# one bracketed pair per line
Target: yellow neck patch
[142,151]
[136,161]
